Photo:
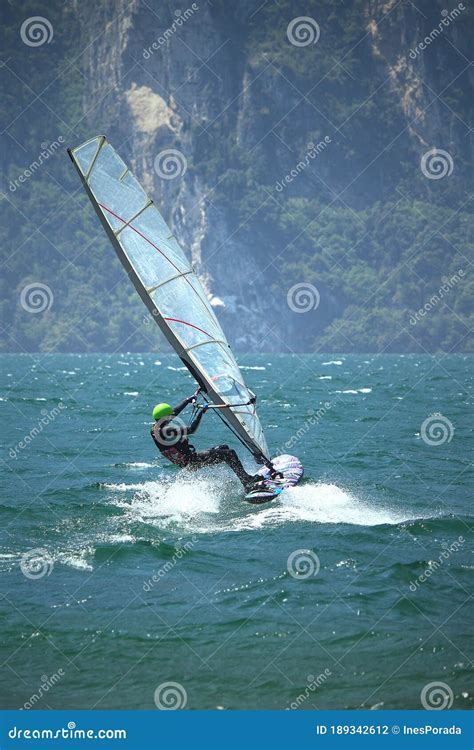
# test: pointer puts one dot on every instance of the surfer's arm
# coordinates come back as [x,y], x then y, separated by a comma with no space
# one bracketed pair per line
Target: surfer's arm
[178,409]
[197,420]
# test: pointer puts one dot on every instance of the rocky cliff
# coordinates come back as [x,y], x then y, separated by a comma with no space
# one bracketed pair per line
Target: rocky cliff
[237,125]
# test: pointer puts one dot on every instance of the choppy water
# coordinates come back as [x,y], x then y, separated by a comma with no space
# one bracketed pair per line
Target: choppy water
[153,576]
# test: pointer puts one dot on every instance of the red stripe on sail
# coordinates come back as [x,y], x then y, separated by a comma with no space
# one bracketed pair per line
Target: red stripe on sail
[184,322]
[174,320]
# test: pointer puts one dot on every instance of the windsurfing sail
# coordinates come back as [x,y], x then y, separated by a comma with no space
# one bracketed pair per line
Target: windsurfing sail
[168,285]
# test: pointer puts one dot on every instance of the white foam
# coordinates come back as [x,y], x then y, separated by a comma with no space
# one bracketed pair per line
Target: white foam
[138,465]
[211,503]
[183,501]
[122,487]
[76,559]
[328,503]
[318,503]
[333,362]
[355,392]
[119,539]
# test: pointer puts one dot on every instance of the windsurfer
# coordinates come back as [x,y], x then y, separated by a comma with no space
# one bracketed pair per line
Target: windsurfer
[171,438]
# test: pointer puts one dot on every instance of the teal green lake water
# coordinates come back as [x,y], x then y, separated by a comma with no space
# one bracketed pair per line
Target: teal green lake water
[120,573]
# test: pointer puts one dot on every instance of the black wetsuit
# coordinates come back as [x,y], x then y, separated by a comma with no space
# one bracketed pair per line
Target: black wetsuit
[171,439]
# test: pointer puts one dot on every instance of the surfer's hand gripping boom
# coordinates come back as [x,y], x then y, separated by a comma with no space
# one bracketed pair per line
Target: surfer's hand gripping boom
[193,400]
[195,395]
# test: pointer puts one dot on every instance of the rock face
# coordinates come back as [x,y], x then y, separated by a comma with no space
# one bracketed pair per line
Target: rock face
[155,94]
[421,52]
[179,93]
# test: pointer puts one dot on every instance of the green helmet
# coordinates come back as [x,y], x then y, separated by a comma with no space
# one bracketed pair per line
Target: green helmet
[162,410]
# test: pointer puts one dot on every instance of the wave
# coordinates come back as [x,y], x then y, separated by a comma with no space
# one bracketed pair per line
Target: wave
[135,465]
[96,551]
[213,503]
[79,559]
[355,392]
[182,501]
[151,517]
[324,504]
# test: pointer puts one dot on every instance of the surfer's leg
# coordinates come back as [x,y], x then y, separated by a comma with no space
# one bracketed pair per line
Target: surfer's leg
[223,454]
[227,455]
[200,458]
